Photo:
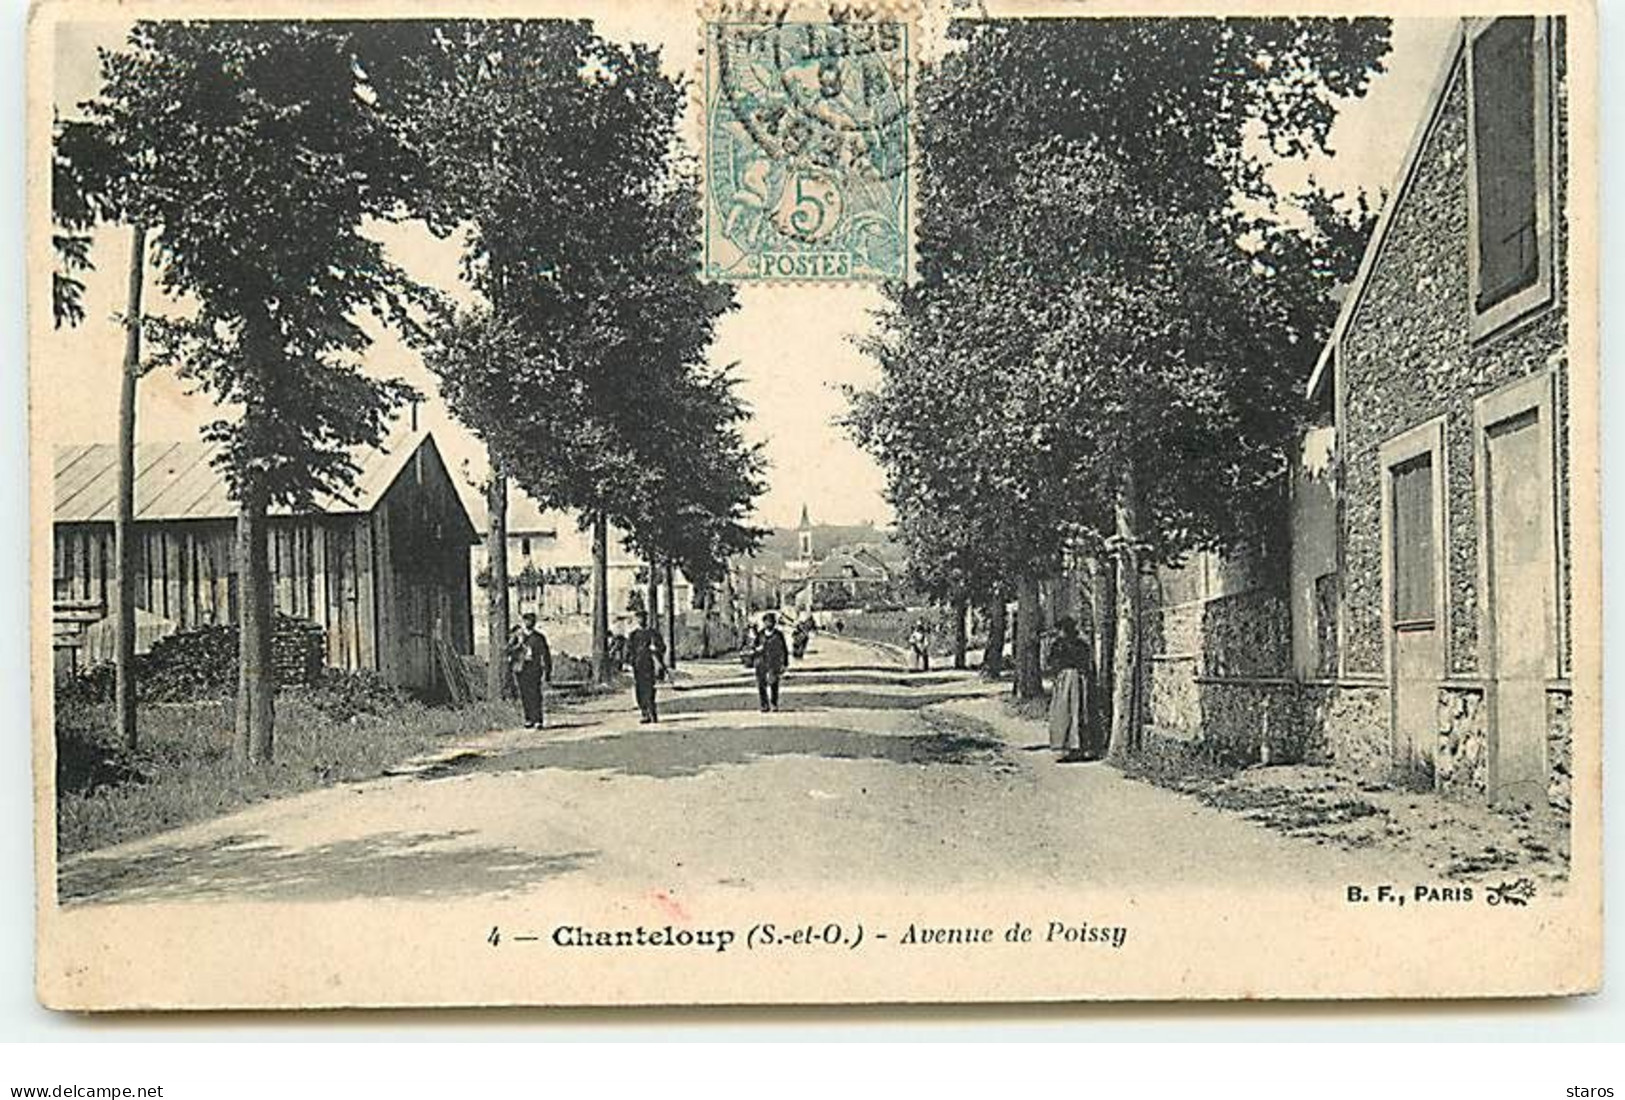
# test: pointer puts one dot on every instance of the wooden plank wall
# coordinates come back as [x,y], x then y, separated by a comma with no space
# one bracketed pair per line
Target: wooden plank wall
[321,569]
[388,597]
[81,564]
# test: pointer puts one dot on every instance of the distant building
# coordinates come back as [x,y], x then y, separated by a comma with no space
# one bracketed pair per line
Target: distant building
[1418,626]
[550,571]
[804,536]
[385,572]
[844,565]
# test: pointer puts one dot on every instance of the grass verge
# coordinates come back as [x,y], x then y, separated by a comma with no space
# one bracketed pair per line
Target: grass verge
[184,768]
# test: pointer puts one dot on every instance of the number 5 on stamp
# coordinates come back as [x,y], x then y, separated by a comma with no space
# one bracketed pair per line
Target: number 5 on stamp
[806,150]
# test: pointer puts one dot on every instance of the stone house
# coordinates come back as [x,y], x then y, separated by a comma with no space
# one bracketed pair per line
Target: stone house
[1417,626]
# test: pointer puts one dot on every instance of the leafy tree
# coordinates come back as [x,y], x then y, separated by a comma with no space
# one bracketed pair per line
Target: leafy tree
[257,153]
[701,477]
[1114,310]
[976,482]
[556,153]
[82,196]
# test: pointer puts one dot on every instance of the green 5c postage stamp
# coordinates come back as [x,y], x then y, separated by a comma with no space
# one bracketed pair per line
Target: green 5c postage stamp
[807,150]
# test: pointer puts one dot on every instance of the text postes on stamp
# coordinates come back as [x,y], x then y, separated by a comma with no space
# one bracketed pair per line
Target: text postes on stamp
[807,148]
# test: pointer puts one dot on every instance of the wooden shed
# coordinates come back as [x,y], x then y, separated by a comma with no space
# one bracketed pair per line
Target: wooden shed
[385,572]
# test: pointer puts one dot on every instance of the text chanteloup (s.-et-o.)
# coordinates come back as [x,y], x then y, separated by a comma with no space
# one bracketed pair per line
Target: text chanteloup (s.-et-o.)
[575,935]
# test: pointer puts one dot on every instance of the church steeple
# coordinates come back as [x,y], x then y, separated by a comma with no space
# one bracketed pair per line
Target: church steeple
[804,530]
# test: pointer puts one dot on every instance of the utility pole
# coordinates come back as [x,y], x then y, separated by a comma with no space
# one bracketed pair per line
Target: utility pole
[124,508]
[496,573]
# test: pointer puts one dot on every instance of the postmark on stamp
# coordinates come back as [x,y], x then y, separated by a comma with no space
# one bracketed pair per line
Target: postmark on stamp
[806,149]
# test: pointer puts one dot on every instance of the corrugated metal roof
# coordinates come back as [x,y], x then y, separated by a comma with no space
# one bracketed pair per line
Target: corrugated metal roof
[178,480]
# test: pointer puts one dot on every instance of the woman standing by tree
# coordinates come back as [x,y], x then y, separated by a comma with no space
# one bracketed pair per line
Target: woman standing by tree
[1070,664]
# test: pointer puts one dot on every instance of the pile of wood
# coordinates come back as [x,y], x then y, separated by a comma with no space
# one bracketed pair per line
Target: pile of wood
[298,650]
[454,673]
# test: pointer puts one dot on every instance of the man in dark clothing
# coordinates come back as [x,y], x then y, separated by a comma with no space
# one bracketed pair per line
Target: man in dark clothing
[646,650]
[532,664]
[772,654]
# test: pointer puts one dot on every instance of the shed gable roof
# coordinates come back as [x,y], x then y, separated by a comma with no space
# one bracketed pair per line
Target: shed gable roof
[179,481]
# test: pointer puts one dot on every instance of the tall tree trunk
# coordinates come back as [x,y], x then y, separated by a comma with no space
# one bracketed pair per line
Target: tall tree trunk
[961,609]
[600,598]
[256,674]
[1103,624]
[671,614]
[993,654]
[707,606]
[727,601]
[651,597]
[1029,678]
[1125,740]
[124,544]
[496,589]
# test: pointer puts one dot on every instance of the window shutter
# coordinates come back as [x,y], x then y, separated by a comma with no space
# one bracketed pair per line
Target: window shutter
[1504,115]
[1413,541]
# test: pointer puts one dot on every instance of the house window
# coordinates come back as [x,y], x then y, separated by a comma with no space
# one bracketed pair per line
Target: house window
[1510,180]
[524,547]
[1413,548]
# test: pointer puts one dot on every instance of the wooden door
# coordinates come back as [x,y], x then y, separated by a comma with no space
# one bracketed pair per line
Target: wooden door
[417,658]
[1520,607]
[1417,635]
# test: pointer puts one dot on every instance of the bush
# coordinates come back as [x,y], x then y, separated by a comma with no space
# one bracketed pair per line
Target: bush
[341,696]
[200,664]
[86,763]
[567,668]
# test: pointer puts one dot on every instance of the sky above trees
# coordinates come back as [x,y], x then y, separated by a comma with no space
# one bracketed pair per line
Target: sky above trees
[794,346]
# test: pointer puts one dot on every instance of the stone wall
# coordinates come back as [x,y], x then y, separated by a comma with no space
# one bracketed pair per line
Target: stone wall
[1219,680]
[1211,618]
[1255,721]
[1174,700]
[1462,760]
[1247,635]
[1350,727]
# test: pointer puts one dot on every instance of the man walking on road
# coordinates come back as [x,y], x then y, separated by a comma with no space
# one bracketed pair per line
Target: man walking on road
[920,643]
[772,654]
[532,664]
[646,650]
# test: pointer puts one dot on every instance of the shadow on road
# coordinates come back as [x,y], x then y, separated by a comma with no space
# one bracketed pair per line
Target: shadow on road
[250,868]
[885,677]
[796,696]
[670,754]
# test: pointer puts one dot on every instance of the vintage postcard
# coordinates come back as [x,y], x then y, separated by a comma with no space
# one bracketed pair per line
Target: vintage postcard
[574,503]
